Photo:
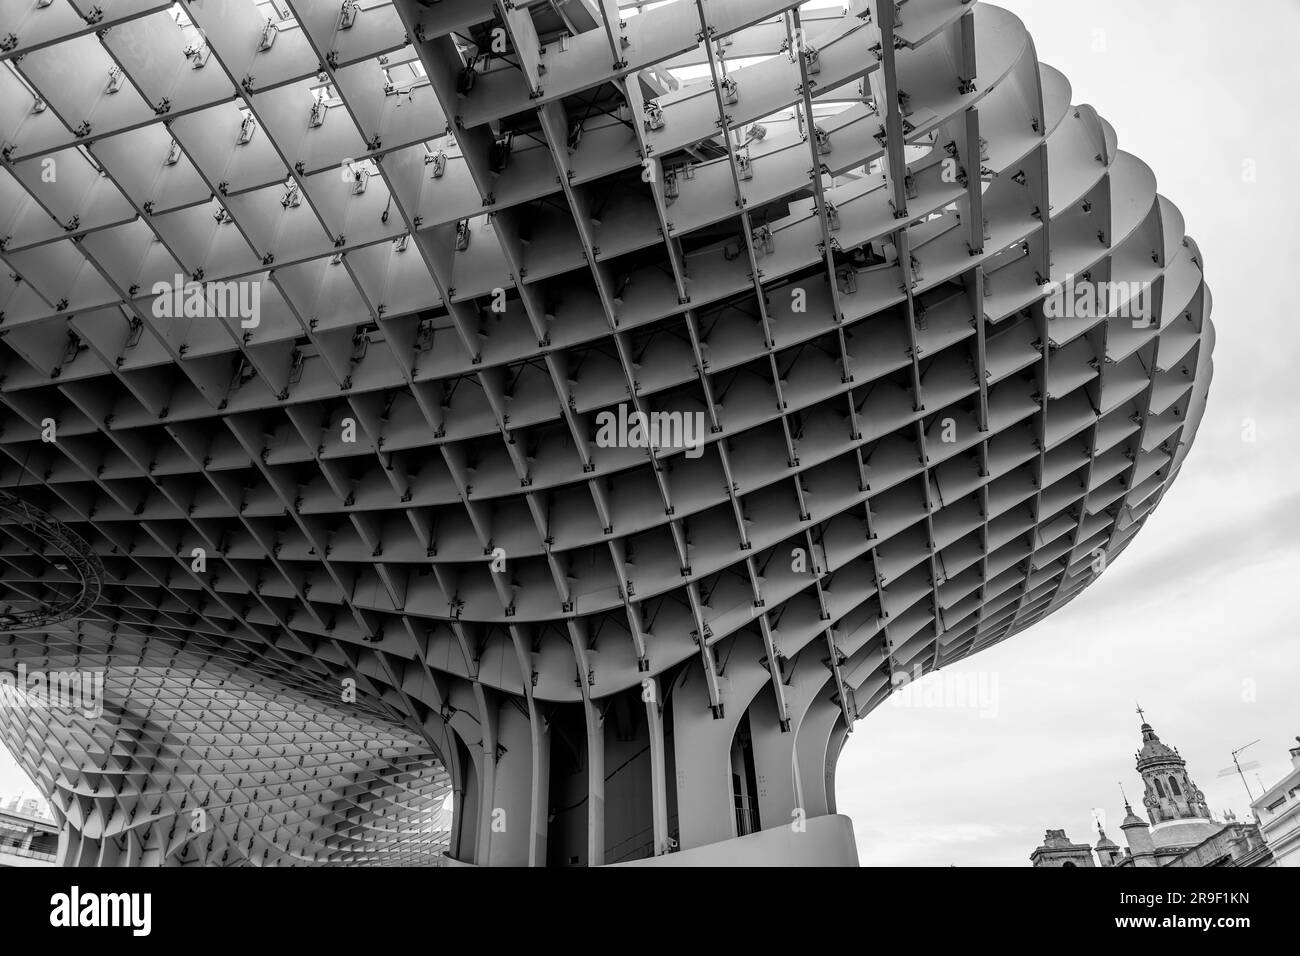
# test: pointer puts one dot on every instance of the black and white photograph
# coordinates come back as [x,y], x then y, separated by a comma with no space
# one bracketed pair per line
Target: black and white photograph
[628,434]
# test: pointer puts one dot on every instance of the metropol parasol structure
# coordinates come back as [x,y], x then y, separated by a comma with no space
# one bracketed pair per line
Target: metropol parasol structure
[312,317]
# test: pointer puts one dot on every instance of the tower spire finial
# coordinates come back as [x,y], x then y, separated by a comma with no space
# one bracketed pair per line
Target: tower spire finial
[1141,716]
[1125,796]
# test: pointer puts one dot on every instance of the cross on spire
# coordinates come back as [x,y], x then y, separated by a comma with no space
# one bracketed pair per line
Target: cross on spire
[1141,715]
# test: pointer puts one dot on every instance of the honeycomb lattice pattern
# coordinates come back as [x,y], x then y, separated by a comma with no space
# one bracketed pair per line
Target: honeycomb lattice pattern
[473,227]
[164,765]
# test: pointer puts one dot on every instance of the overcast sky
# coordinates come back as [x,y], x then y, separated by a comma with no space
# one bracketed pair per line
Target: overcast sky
[1196,618]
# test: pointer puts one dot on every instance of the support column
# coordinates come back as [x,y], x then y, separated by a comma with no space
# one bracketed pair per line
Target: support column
[595,784]
[702,748]
[539,798]
[814,738]
[775,763]
[658,763]
[511,811]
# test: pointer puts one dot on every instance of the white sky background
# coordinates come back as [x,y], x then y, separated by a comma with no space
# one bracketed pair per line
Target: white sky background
[1204,599]
[12,780]
[1202,602]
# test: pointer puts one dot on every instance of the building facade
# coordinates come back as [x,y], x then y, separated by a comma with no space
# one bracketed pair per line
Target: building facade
[1278,813]
[1179,829]
[582,412]
[29,834]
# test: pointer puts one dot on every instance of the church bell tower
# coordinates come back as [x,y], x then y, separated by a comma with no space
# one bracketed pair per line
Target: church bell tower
[1170,793]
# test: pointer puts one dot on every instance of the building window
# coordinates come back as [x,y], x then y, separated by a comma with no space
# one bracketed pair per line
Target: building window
[1173,787]
[1159,789]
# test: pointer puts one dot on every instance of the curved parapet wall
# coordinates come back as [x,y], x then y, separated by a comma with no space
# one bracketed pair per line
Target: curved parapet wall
[597,420]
